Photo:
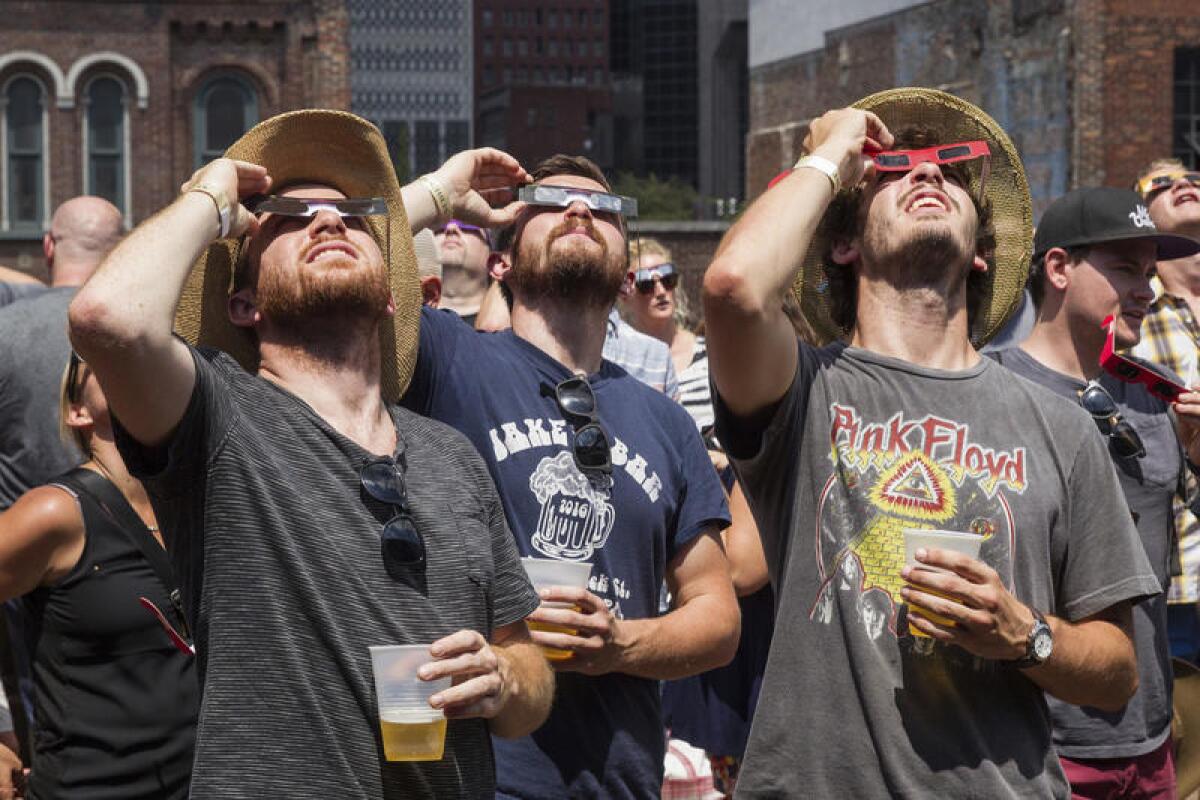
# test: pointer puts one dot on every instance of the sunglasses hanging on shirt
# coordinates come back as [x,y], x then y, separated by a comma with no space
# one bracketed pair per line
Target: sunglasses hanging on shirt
[590,446]
[1096,400]
[401,544]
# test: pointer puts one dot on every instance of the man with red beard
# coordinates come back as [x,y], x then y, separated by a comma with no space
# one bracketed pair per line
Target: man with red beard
[307,514]
[592,466]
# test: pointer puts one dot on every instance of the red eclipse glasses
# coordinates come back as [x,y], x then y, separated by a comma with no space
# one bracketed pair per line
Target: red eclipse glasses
[1159,385]
[905,160]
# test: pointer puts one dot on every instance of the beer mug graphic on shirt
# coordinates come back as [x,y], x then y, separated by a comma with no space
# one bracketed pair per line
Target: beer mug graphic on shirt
[575,519]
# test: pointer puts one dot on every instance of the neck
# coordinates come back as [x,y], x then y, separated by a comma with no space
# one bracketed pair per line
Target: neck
[662,329]
[921,326]
[571,334]
[1181,277]
[1055,345]
[334,367]
[462,291]
[69,274]
[107,461]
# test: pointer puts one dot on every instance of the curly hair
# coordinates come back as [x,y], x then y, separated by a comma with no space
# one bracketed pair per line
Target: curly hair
[846,216]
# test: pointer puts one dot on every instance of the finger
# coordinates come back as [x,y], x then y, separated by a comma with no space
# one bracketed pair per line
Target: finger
[564,617]
[503,216]
[944,607]
[466,665]
[464,641]
[969,568]
[243,222]
[558,641]
[878,134]
[577,595]
[931,629]
[247,168]
[470,691]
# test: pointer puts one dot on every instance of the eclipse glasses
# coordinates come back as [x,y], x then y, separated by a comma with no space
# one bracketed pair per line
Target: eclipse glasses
[540,194]
[906,160]
[311,206]
[1161,386]
[1165,180]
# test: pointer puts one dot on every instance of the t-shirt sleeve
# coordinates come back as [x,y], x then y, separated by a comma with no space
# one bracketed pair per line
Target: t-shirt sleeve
[11,292]
[513,596]
[179,464]
[702,503]
[1104,562]
[442,331]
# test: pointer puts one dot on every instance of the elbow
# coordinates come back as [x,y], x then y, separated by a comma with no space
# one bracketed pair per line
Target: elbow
[97,323]
[1124,686]
[727,288]
[726,644]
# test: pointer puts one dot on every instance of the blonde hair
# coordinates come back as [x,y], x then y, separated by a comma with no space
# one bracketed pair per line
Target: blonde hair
[647,246]
[69,434]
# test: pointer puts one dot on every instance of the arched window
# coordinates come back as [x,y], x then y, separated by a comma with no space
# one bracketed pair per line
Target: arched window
[105,140]
[24,153]
[226,107]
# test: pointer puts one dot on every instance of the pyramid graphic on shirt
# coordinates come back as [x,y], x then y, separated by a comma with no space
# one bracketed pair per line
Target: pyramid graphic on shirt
[915,487]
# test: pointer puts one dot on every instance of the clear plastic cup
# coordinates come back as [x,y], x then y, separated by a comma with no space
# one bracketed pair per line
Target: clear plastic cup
[958,541]
[547,572]
[412,730]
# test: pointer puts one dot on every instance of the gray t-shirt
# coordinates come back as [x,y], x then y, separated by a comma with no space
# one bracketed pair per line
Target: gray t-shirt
[277,548]
[11,292]
[33,354]
[1149,484]
[861,447]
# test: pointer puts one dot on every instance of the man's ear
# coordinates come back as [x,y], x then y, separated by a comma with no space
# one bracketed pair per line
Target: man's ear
[499,265]
[243,312]
[431,290]
[78,416]
[844,253]
[1056,268]
[48,249]
[979,264]
[626,289]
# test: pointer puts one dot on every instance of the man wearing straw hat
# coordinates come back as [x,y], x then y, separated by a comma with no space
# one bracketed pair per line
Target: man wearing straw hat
[847,451]
[308,516]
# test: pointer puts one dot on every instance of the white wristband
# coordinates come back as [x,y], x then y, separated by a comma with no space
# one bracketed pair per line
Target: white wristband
[825,167]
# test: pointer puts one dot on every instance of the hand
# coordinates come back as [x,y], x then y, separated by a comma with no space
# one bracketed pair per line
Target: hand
[594,646]
[236,180]
[481,676]
[12,776]
[473,177]
[842,135]
[1187,411]
[989,621]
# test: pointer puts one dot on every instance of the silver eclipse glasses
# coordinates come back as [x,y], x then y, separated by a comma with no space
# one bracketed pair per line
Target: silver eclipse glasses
[540,194]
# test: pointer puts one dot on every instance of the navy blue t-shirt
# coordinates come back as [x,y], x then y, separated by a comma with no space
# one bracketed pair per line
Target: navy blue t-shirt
[605,734]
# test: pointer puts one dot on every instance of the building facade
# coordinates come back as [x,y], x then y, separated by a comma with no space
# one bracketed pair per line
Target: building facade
[126,100]
[412,74]
[1089,90]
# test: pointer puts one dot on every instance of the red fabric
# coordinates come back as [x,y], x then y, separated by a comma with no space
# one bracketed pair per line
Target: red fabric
[1148,777]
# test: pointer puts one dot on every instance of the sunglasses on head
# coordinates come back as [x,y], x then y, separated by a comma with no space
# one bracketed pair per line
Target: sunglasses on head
[1096,400]
[401,544]
[540,194]
[666,274]
[590,447]
[311,206]
[1152,184]
[1161,386]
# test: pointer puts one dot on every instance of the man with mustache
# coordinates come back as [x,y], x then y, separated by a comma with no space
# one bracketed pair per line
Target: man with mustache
[592,466]
[1171,339]
[308,516]
[1094,256]
[903,246]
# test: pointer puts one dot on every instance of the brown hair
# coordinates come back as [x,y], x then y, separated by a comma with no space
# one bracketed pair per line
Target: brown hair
[845,217]
[1155,166]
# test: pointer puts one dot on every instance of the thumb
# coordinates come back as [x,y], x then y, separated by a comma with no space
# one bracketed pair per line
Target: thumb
[243,222]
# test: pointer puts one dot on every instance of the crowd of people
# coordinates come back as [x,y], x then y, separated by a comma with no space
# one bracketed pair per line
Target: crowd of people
[304,412]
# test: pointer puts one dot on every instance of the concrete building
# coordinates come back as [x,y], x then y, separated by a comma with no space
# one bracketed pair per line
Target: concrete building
[1089,90]
[412,75]
[127,99]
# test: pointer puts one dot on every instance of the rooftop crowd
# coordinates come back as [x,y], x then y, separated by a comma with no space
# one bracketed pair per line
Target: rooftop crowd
[911,512]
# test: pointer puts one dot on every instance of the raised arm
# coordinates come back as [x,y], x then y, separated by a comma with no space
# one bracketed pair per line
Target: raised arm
[475,186]
[751,344]
[122,319]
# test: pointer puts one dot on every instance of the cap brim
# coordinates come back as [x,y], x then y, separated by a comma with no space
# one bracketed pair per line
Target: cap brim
[1168,246]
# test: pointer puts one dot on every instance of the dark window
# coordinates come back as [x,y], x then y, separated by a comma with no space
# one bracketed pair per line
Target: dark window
[458,136]
[226,107]
[428,141]
[395,134]
[106,140]
[1186,139]
[24,118]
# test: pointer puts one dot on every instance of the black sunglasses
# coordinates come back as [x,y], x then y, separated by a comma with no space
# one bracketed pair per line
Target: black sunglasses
[1100,404]
[73,377]
[644,279]
[590,447]
[401,544]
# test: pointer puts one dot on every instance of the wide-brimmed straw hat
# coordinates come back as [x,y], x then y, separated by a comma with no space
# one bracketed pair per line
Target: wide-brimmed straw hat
[347,153]
[955,120]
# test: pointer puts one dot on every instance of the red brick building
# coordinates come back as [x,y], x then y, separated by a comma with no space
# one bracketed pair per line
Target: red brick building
[126,99]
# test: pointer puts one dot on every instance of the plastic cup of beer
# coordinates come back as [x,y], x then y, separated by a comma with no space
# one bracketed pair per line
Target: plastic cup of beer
[959,541]
[546,572]
[412,729]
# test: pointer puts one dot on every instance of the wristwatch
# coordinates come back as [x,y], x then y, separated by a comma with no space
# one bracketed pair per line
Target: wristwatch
[1040,644]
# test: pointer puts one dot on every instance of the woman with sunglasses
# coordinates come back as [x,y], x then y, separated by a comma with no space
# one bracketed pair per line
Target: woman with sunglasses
[115,703]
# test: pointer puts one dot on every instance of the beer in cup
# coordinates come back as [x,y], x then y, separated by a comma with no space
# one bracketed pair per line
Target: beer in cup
[412,730]
[958,541]
[546,572]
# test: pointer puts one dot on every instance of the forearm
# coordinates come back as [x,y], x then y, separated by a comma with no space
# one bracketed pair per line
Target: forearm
[698,636]
[1093,664]
[420,206]
[530,693]
[10,275]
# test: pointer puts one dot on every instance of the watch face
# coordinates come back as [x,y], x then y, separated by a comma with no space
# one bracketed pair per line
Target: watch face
[1042,645]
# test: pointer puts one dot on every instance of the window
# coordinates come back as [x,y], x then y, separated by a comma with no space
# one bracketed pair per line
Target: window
[597,76]
[581,49]
[25,167]
[551,19]
[598,48]
[539,47]
[458,136]
[105,140]
[226,107]
[487,18]
[489,75]
[488,46]
[531,116]
[395,134]
[1186,138]
[507,48]
[428,157]
[553,48]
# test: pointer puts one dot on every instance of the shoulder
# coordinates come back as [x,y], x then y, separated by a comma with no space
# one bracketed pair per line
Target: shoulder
[428,436]
[50,511]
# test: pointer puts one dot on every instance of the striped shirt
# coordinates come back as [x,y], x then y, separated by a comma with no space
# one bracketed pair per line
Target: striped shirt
[642,356]
[1170,338]
[695,392]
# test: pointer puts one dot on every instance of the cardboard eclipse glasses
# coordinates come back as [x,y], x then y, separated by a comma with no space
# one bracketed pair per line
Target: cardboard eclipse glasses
[540,194]
[906,160]
[1156,183]
[1129,371]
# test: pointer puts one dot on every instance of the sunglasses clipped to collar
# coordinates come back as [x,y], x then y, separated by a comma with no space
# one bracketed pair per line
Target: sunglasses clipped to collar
[1096,400]
[1152,184]
[590,447]
[540,194]
[666,274]
[1161,386]
[401,544]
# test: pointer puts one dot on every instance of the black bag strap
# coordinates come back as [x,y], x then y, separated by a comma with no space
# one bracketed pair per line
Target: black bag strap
[114,505]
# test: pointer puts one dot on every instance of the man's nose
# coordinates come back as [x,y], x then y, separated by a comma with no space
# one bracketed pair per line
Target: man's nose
[327,221]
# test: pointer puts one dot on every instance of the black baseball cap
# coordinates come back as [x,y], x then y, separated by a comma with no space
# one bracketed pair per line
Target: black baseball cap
[1103,214]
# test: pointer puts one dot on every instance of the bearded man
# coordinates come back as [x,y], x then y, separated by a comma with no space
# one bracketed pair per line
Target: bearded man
[592,466]
[306,513]
[899,242]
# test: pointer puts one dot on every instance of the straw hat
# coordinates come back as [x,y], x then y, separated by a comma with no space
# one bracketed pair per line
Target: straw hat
[1185,726]
[345,152]
[1012,214]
